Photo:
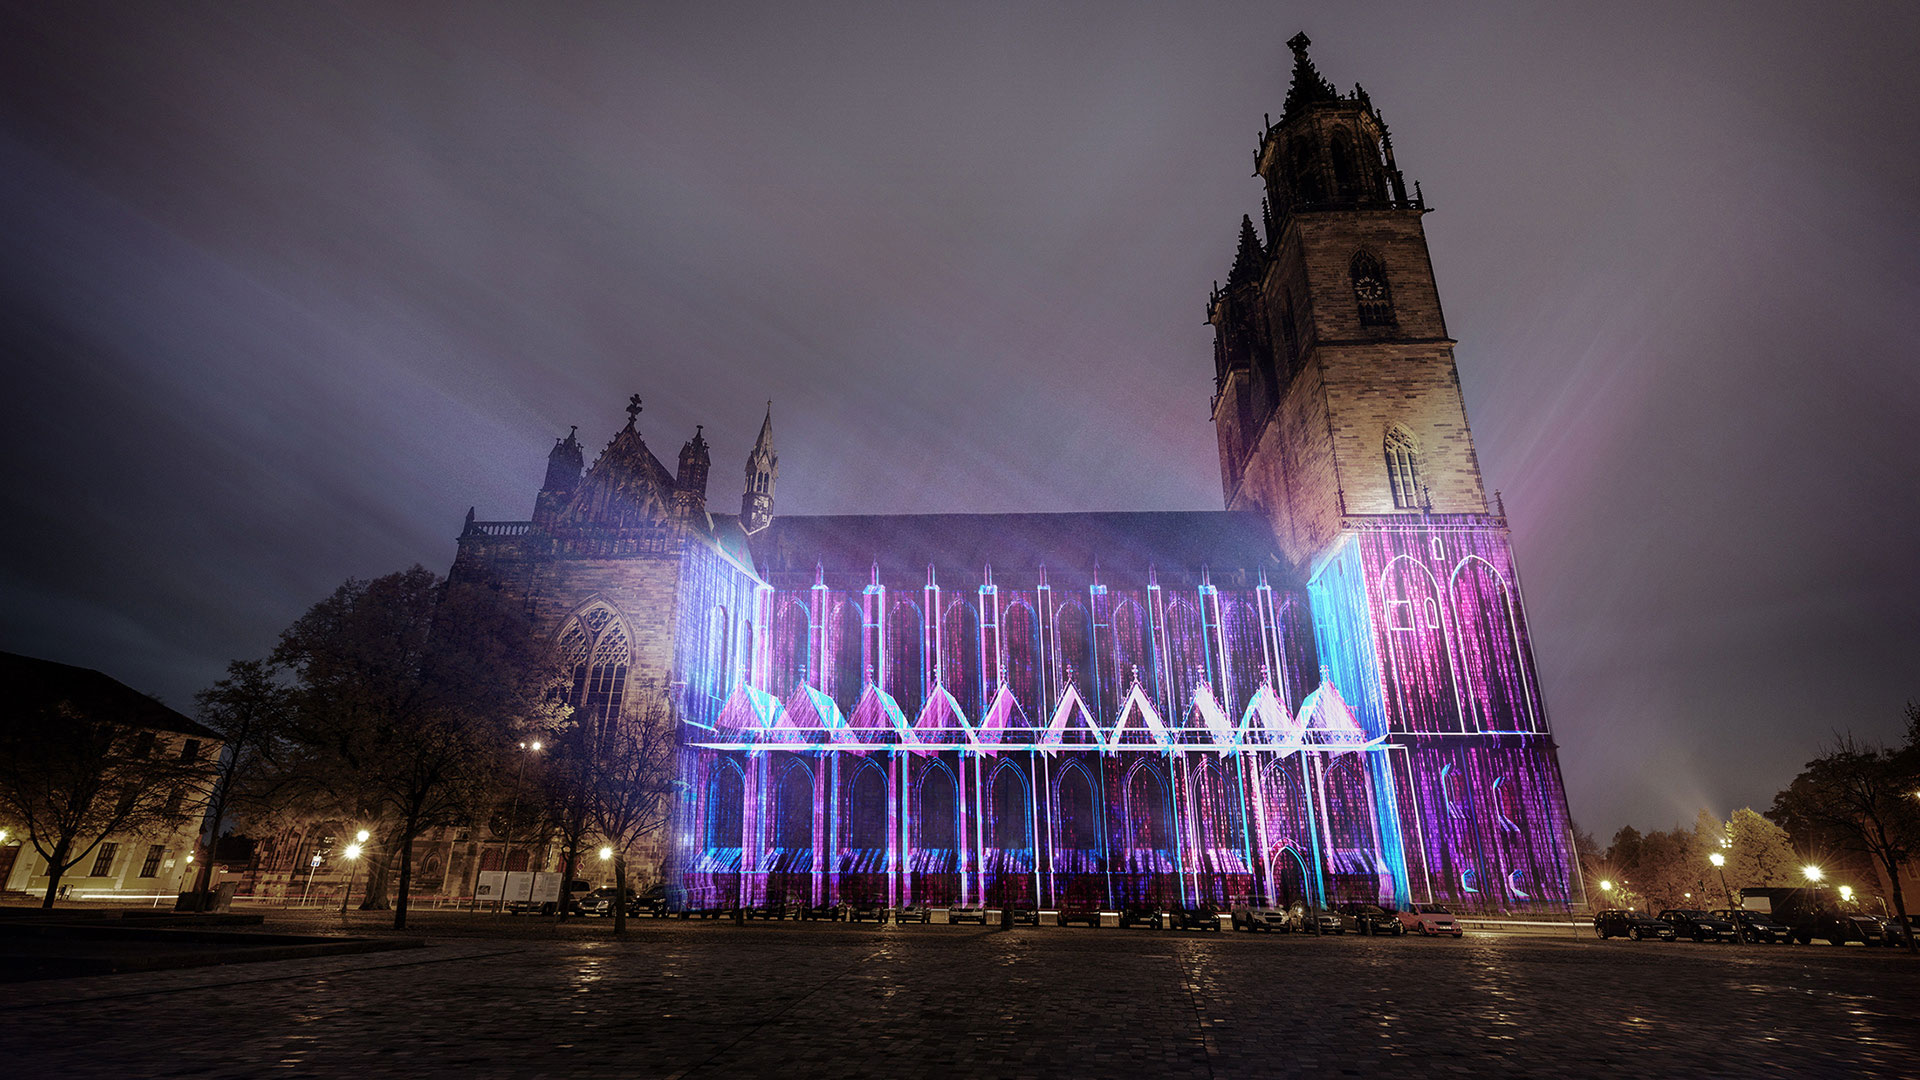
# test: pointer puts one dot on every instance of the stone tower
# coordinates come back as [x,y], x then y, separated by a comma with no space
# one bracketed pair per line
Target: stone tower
[564,463]
[763,469]
[1335,389]
[690,481]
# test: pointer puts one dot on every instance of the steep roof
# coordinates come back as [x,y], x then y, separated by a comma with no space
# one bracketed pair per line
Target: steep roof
[1170,540]
[35,688]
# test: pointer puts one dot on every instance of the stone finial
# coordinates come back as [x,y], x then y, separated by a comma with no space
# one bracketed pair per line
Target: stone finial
[633,410]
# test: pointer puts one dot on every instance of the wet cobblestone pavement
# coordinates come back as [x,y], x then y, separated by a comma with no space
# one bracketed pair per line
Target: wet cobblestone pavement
[513,998]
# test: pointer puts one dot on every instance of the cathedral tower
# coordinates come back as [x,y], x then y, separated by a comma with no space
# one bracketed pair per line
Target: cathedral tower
[690,481]
[763,468]
[564,463]
[1335,389]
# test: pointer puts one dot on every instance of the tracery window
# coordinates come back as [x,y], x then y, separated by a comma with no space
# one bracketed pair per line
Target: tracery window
[1370,290]
[595,645]
[1403,469]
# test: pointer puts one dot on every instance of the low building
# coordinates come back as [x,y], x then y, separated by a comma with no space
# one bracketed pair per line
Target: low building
[152,858]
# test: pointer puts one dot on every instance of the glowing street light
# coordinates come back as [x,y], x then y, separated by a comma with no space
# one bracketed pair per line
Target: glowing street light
[506,842]
[363,836]
[1813,872]
[1846,893]
[353,866]
[606,853]
[1606,886]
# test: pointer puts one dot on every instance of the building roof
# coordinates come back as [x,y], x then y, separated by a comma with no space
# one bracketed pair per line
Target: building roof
[35,687]
[1169,540]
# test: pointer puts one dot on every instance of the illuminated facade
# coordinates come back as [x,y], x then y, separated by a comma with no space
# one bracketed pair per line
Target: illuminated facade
[1324,692]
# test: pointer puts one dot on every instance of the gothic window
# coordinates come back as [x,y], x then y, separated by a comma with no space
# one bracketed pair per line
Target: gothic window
[937,801]
[1403,470]
[906,655]
[1370,290]
[848,650]
[595,646]
[960,654]
[725,795]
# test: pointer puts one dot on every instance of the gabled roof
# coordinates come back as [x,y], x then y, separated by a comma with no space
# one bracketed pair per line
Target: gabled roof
[626,487]
[1266,721]
[1139,724]
[748,715]
[942,722]
[877,719]
[1207,723]
[1072,725]
[1005,723]
[811,717]
[44,691]
[1325,718]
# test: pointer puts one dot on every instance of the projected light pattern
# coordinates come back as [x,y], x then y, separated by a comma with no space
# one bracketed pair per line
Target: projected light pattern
[1165,739]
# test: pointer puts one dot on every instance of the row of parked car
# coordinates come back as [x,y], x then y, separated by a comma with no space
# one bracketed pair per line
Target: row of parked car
[1369,919]
[1427,920]
[1723,925]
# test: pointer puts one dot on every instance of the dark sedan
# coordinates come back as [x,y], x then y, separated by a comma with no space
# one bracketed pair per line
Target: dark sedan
[1617,922]
[1758,926]
[1698,925]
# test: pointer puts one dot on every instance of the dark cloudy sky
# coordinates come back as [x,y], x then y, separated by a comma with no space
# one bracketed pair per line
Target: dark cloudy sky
[285,288]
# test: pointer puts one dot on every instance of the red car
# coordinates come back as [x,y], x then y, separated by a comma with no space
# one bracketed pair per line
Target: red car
[1430,919]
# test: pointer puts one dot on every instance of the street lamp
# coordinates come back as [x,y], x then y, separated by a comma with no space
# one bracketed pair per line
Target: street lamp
[353,864]
[1719,862]
[606,853]
[1813,872]
[1846,893]
[506,841]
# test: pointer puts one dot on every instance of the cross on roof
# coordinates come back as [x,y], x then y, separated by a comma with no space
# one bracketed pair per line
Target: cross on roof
[633,409]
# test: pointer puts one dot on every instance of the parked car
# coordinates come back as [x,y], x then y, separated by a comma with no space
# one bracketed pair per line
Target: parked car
[601,901]
[1078,909]
[1430,920]
[1261,919]
[1758,926]
[1372,919]
[1148,915]
[1698,925]
[1811,914]
[1327,922]
[1204,917]
[1634,925]
[662,900]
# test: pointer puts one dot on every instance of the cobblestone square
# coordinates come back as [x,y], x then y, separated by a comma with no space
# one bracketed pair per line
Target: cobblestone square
[491,997]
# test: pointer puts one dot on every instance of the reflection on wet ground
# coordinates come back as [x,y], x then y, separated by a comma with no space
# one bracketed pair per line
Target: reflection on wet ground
[679,999]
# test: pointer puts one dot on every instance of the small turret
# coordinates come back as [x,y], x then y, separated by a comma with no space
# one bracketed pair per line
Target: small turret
[690,482]
[564,463]
[763,469]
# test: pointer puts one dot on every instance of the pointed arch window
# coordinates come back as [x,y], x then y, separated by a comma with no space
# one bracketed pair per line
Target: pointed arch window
[1370,290]
[1403,470]
[597,649]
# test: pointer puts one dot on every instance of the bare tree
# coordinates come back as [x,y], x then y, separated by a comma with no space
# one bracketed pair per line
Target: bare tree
[409,693]
[633,781]
[251,710]
[72,780]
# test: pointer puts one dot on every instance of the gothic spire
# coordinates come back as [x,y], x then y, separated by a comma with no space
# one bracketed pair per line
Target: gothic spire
[1308,85]
[1251,259]
[763,468]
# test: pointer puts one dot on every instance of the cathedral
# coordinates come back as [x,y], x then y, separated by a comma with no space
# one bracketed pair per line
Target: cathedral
[1323,692]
